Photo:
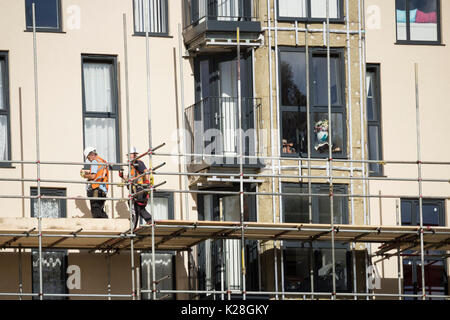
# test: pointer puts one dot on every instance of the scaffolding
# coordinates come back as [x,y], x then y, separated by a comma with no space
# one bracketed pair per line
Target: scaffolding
[183,235]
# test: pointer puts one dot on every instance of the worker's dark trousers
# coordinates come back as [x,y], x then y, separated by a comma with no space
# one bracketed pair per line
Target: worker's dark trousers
[139,204]
[97,205]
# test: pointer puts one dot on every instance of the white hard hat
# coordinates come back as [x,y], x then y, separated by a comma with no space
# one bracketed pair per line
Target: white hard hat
[133,150]
[88,150]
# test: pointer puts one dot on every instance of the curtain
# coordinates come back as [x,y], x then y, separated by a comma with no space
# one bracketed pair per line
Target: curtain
[163,268]
[97,87]
[319,8]
[3,137]
[229,119]
[53,273]
[292,8]
[50,208]
[100,133]
[2,85]
[160,206]
[228,9]
[157,16]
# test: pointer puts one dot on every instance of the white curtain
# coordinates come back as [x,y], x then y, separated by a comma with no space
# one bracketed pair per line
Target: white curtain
[160,207]
[2,86]
[157,16]
[50,208]
[228,9]
[319,8]
[100,133]
[97,86]
[3,138]
[228,106]
[292,8]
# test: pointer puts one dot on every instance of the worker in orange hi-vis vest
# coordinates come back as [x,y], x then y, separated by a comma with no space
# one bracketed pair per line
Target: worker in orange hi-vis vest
[98,172]
[140,182]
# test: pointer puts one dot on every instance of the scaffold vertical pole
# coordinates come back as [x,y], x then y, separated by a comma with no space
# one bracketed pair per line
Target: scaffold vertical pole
[38,156]
[419,179]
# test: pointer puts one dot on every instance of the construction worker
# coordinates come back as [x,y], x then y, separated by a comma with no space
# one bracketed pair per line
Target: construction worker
[100,174]
[139,182]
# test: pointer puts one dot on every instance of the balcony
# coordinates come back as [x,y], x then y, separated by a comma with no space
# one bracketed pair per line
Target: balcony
[213,133]
[211,25]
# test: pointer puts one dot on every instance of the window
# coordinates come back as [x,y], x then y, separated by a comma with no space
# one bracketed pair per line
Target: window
[418,21]
[436,282]
[54,276]
[157,15]
[162,205]
[100,106]
[164,273]
[300,258]
[374,119]
[48,15]
[309,9]
[223,10]
[293,103]
[50,208]
[220,260]
[432,212]
[5,138]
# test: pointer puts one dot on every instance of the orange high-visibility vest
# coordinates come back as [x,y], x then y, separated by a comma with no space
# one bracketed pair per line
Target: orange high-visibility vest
[134,174]
[102,174]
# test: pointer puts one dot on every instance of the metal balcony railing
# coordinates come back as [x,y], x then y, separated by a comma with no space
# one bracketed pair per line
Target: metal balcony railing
[213,129]
[197,11]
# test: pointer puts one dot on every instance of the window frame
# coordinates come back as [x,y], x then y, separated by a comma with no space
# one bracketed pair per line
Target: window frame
[115,114]
[4,56]
[415,210]
[49,192]
[408,27]
[152,34]
[170,204]
[375,68]
[315,188]
[64,265]
[59,29]
[308,19]
[173,279]
[335,109]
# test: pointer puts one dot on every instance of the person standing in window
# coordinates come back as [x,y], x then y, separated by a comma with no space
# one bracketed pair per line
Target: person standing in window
[139,181]
[97,173]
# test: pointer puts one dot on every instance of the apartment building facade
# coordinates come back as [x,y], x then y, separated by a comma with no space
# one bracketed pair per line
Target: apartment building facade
[269,109]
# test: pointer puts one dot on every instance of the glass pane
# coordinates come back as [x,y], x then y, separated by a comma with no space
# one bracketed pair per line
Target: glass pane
[295,208]
[320,80]
[3,137]
[423,20]
[294,139]
[339,208]
[297,269]
[400,6]
[406,210]
[292,8]
[100,133]
[319,9]
[163,274]
[156,18]
[228,10]
[98,95]
[372,107]
[53,273]
[47,13]
[320,139]
[374,148]
[2,85]
[430,214]
[324,267]
[293,78]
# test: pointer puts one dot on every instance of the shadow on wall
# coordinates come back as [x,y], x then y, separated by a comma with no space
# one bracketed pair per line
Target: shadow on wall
[122,210]
[82,206]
